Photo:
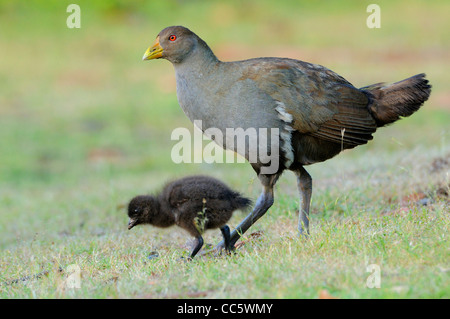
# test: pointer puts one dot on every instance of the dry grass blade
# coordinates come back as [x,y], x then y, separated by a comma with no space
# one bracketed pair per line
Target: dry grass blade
[252,237]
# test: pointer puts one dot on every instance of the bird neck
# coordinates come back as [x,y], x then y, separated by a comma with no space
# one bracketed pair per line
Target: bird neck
[200,61]
[196,79]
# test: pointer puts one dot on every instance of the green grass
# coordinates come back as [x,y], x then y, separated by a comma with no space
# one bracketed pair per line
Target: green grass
[85,126]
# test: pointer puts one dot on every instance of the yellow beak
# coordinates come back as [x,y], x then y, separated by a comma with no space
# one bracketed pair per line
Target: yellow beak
[153,52]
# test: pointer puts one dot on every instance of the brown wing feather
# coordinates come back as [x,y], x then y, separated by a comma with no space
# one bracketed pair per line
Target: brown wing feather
[322,103]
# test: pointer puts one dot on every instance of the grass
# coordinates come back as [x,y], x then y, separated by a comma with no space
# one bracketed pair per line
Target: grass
[85,126]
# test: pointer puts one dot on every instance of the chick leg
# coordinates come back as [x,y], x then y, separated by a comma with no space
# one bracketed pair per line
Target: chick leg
[226,237]
[199,240]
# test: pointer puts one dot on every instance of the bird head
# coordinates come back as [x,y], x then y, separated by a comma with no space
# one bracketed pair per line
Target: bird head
[139,211]
[174,44]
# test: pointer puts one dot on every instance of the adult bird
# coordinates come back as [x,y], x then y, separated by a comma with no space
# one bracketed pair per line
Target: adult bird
[316,112]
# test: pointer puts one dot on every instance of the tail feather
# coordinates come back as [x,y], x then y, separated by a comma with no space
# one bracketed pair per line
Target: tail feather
[392,101]
[241,202]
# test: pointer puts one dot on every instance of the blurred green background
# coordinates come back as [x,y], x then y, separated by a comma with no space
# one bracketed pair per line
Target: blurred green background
[73,97]
[85,124]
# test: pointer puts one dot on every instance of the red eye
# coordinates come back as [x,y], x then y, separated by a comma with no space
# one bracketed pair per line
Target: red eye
[172,37]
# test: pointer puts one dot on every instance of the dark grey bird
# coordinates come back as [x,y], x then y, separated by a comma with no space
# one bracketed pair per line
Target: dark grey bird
[194,203]
[316,111]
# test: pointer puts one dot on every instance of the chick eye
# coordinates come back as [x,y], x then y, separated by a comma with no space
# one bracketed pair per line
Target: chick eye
[172,37]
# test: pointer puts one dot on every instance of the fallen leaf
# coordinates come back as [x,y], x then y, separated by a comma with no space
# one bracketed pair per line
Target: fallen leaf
[324,294]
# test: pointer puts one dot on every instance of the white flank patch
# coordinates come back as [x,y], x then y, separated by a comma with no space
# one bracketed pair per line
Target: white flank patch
[282,114]
[286,133]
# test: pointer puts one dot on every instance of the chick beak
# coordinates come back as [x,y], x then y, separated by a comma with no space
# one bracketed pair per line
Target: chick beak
[131,223]
[153,52]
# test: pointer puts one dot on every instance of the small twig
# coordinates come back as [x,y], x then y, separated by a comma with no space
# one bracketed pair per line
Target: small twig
[251,238]
[26,278]
[30,277]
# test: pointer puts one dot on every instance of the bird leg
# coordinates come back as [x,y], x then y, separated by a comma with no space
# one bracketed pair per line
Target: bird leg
[304,183]
[199,240]
[263,203]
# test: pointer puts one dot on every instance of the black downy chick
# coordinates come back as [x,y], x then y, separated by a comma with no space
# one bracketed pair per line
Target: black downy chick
[195,203]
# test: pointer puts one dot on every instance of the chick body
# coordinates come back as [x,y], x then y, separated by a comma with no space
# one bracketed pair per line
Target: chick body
[194,203]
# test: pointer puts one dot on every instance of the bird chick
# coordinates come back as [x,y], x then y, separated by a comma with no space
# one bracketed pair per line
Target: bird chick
[194,203]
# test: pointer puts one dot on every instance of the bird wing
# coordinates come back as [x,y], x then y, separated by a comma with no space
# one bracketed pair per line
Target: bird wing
[176,196]
[194,189]
[322,103]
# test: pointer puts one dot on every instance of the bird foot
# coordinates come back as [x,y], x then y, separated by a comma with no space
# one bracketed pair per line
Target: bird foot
[303,234]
